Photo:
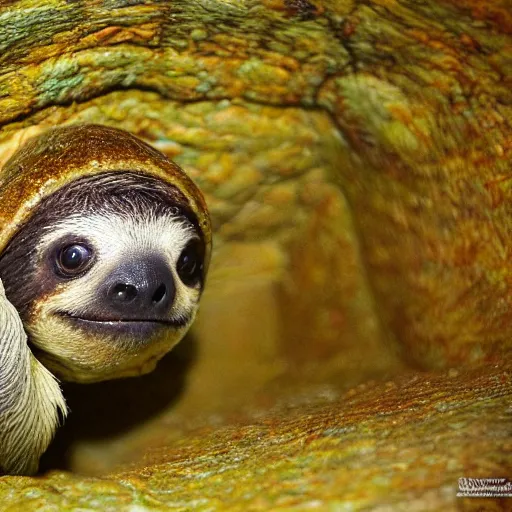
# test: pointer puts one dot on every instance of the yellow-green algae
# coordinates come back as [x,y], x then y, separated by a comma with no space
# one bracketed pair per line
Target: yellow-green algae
[355,156]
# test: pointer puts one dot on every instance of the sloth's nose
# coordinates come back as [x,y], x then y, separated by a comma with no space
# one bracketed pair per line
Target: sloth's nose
[142,289]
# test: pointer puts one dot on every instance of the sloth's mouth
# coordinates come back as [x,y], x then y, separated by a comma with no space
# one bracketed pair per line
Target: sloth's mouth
[134,325]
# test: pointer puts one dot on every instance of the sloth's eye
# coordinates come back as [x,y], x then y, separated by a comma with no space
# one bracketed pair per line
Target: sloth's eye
[190,263]
[73,259]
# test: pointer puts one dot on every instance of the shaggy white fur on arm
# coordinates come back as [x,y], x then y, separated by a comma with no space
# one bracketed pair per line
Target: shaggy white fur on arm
[30,398]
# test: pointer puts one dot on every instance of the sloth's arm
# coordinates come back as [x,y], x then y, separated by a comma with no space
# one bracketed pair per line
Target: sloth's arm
[30,398]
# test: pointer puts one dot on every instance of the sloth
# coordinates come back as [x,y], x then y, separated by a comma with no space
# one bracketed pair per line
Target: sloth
[104,249]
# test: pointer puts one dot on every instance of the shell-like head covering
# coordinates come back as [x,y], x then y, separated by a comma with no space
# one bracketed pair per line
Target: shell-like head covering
[61,155]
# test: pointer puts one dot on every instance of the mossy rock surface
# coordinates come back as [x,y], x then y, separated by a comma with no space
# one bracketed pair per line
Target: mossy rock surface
[396,445]
[356,160]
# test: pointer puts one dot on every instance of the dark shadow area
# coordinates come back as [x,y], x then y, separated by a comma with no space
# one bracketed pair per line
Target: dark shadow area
[99,411]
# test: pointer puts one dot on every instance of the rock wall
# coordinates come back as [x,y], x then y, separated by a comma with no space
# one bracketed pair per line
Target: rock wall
[355,156]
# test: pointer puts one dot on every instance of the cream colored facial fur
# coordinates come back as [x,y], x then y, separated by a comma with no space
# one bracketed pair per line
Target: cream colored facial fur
[86,356]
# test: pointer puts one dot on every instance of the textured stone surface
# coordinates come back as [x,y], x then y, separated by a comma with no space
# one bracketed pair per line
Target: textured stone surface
[355,156]
[406,107]
[396,445]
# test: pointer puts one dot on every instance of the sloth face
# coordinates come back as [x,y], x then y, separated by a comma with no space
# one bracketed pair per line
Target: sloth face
[107,275]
